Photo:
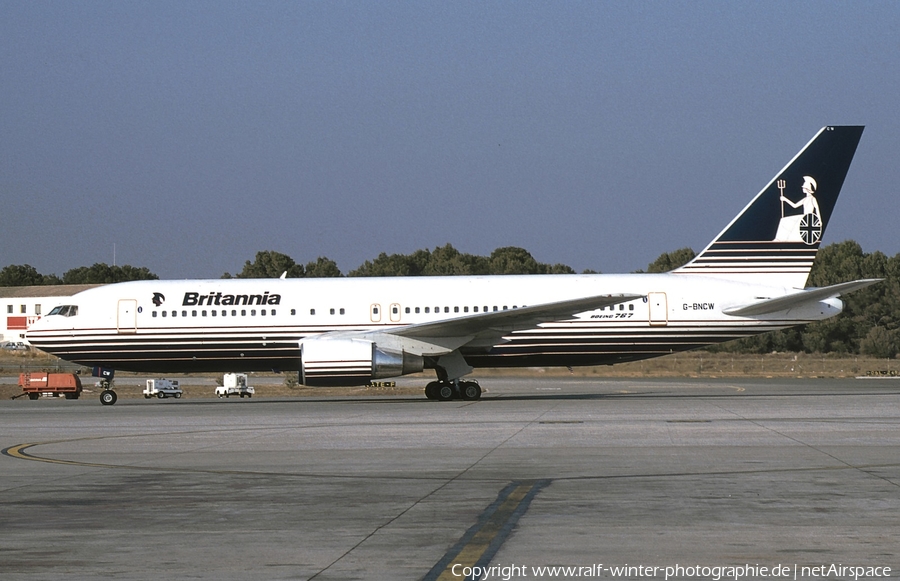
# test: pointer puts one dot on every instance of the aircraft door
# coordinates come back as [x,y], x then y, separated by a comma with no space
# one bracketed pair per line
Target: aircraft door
[395,313]
[126,321]
[659,312]
[375,313]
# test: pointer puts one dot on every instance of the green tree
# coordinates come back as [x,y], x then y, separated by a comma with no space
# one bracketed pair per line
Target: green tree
[271,264]
[448,261]
[101,273]
[671,260]
[879,342]
[20,275]
[322,268]
[394,265]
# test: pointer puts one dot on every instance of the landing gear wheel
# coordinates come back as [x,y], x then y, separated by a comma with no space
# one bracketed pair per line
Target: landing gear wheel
[445,392]
[431,390]
[469,390]
[108,397]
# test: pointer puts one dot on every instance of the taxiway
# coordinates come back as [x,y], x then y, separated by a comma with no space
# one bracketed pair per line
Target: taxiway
[572,472]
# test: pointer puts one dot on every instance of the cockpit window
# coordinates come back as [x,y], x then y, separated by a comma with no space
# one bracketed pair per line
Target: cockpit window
[64,310]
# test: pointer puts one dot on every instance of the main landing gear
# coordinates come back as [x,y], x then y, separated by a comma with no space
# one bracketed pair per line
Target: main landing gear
[456,389]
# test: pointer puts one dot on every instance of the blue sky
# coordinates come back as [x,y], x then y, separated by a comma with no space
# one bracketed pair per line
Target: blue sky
[190,135]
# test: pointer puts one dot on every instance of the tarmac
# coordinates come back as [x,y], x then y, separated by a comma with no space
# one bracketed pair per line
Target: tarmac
[676,479]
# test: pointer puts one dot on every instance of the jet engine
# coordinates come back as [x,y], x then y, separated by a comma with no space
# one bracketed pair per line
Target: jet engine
[344,362]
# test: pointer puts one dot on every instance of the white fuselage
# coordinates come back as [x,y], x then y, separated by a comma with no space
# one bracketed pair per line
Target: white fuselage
[259,324]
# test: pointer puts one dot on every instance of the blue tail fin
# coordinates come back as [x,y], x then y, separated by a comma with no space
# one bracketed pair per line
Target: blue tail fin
[774,240]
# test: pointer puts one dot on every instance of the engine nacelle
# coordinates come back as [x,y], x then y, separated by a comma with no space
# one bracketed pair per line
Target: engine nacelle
[343,362]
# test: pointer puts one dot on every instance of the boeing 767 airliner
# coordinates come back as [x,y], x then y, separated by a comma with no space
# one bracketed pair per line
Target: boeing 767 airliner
[348,331]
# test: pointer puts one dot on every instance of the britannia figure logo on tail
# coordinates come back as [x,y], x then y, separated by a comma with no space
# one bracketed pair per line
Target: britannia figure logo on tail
[806,226]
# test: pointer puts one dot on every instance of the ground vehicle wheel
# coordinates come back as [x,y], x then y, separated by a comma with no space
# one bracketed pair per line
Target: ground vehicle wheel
[108,397]
[470,390]
[160,395]
[71,395]
[146,397]
[177,395]
[249,395]
[242,396]
[34,395]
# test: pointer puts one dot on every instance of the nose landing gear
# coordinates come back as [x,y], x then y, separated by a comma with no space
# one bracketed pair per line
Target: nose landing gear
[108,395]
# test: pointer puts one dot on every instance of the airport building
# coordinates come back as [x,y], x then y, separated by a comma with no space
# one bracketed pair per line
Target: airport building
[22,305]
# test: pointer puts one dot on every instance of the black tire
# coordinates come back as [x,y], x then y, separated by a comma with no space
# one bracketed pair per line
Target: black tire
[249,395]
[177,396]
[146,397]
[108,397]
[470,391]
[160,395]
[431,390]
[71,395]
[445,392]
[34,395]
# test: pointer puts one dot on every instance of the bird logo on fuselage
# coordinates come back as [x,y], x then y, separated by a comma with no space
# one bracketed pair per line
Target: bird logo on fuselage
[158,299]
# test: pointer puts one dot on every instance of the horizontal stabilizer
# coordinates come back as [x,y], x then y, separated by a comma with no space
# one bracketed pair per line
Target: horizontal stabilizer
[797,299]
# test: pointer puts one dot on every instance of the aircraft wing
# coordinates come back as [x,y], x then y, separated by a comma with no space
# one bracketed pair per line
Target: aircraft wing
[798,298]
[481,329]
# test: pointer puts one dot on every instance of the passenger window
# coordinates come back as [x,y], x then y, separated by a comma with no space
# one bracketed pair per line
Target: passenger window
[311,312]
[630,307]
[475,309]
[213,312]
[427,309]
[154,314]
[234,313]
[9,310]
[446,309]
[273,312]
[164,313]
[407,310]
[417,310]
[252,312]
[465,309]
[455,309]
[203,312]
[243,312]
[342,311]
[331,311]
[621,307]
